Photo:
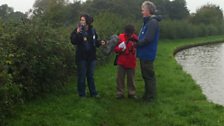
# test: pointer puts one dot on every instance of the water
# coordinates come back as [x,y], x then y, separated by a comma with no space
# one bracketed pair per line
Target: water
[206,66]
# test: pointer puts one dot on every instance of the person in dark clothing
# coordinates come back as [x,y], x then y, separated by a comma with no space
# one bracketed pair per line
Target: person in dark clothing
[86,40]
[147,48]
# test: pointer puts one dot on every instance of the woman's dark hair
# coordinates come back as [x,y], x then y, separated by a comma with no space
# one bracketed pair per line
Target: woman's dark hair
[129,29]
[89,19]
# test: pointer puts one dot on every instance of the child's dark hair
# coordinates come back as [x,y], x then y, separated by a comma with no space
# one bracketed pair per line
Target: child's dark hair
[129,29]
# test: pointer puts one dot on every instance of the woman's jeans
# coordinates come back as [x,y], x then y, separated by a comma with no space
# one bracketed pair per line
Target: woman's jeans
[86,71]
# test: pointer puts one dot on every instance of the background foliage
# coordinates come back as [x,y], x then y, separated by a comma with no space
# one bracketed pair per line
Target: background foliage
[36,56]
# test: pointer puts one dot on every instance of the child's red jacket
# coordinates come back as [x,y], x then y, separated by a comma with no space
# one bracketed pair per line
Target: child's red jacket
[126,58]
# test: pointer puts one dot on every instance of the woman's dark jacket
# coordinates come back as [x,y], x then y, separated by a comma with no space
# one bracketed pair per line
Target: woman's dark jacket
[85,50]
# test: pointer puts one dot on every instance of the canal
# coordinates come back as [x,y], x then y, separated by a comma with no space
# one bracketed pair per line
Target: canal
[206,66]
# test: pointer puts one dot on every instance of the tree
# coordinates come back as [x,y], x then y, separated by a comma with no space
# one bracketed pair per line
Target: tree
[178,9]
[5,11]
[72,11]
[47,4]
[7,14]
[175,9]
[124,8]
[53,11]
[208,14]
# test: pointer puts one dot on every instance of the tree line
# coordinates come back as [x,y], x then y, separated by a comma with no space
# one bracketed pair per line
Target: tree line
[177,21]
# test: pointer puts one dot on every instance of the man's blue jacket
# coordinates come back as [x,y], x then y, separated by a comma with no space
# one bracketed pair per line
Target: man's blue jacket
[148,38]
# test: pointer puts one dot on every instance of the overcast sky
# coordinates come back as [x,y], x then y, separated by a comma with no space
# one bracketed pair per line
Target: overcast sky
[25,5]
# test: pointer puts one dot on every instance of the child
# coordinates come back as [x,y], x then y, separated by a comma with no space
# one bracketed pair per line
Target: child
[126,62]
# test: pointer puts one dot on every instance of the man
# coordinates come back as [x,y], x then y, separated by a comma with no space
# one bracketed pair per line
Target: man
[147,48]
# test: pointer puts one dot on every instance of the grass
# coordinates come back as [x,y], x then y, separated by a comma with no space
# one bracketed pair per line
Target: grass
[180,101]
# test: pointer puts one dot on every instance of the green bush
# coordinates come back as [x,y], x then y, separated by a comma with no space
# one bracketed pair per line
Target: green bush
[38,57]
[9,95]
[34,59]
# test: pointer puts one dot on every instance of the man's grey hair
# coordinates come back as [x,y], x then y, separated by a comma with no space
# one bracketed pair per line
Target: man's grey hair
[150,6]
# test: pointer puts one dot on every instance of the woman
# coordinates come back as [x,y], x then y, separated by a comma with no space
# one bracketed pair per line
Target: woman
[126,62]
[85,39]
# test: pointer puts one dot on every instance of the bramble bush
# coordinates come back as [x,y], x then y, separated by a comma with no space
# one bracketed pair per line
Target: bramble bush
[35,59]
[42,58]
[9,95]
[9,92]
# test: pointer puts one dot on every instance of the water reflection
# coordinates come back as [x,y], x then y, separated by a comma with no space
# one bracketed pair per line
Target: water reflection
[206,65]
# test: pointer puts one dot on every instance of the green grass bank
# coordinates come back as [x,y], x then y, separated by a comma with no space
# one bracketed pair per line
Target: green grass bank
[180,101]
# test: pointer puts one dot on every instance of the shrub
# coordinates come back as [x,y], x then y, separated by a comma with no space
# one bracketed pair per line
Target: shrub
[10,93]
[38,57]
